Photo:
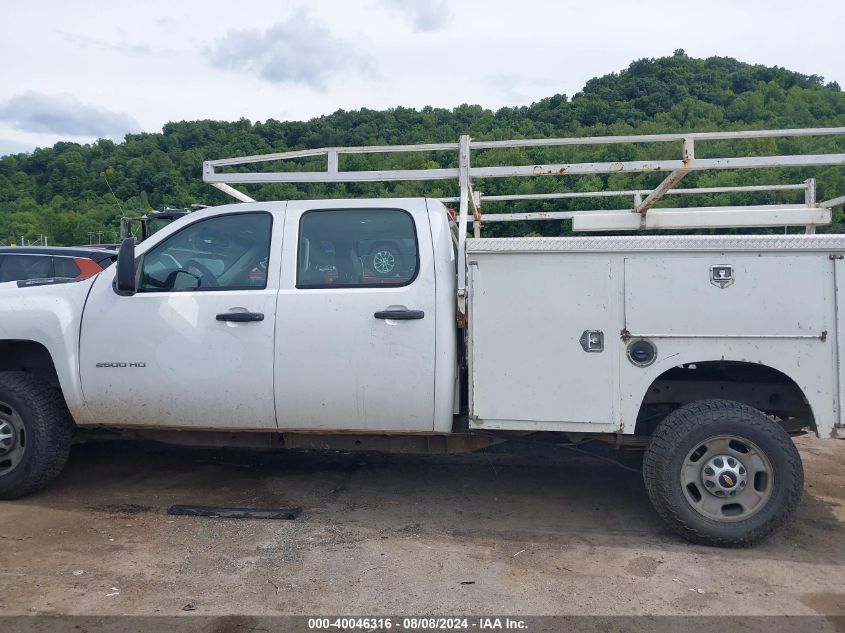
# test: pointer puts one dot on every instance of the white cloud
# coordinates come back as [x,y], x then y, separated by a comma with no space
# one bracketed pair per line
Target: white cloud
[425,15]
[297,50]
[64,114]
[85,41]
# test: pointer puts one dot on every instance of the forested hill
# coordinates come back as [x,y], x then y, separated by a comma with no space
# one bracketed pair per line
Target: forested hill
[69,190]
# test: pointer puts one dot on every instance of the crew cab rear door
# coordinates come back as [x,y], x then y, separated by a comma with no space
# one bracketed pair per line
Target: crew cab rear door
[193,348]
[355,326]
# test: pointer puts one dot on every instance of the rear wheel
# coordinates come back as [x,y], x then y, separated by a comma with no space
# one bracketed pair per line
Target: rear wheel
[35,434]
[722,473]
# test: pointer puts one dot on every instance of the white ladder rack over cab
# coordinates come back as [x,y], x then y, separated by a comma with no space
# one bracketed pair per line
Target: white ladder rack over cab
[641,214]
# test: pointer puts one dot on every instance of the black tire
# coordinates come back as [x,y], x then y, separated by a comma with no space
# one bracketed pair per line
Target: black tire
[47,432]
[671,456]
[378,267]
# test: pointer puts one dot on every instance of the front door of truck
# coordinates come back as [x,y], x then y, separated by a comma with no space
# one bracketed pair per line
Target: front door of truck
[355,344]
[193,348]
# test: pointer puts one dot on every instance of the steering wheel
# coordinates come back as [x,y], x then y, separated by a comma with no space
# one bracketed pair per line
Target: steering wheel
[208,278]
[170,282]
[173,261]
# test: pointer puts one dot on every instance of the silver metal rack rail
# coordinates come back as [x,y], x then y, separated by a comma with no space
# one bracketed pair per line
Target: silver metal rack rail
[641,214]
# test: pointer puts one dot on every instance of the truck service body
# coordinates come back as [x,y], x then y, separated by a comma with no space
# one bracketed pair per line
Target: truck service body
[315,322]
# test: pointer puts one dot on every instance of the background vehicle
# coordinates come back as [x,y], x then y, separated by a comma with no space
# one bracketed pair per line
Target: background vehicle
[44,262]
[704,351]
[151,222]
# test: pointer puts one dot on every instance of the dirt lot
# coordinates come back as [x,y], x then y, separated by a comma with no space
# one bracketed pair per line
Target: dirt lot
[472,534]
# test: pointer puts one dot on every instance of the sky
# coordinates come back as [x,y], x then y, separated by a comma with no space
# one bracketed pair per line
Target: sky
[88,69]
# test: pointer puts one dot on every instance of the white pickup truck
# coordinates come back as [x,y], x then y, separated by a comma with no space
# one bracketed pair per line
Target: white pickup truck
[374,324]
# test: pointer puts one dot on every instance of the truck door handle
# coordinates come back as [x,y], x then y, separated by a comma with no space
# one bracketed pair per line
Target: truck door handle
[240,317]
[400,315]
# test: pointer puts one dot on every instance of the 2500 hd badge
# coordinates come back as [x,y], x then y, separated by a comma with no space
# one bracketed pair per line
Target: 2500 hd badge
[120,365]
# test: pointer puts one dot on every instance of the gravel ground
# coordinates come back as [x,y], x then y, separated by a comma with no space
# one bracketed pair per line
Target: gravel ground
[379,534]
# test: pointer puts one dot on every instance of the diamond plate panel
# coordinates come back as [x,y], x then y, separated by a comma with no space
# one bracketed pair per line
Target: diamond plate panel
[658,243]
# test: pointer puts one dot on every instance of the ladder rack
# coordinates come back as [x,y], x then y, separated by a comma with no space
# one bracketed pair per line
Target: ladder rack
[641,214]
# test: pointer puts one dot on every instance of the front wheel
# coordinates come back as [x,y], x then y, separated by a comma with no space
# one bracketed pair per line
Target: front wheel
[722,473]
[35,434]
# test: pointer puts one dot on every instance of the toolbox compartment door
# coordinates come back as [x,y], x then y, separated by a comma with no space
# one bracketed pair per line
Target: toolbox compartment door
[528,313]
[726,294]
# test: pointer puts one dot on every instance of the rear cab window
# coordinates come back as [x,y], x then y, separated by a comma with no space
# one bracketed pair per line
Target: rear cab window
[356,248]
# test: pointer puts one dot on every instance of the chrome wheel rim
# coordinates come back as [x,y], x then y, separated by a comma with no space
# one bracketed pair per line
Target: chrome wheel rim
[12,438]
[384,262]
[727,478]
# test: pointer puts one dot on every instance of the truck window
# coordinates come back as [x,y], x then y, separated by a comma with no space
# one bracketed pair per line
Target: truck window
[227,252]
[66,267]
[356,248]
[18,267]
